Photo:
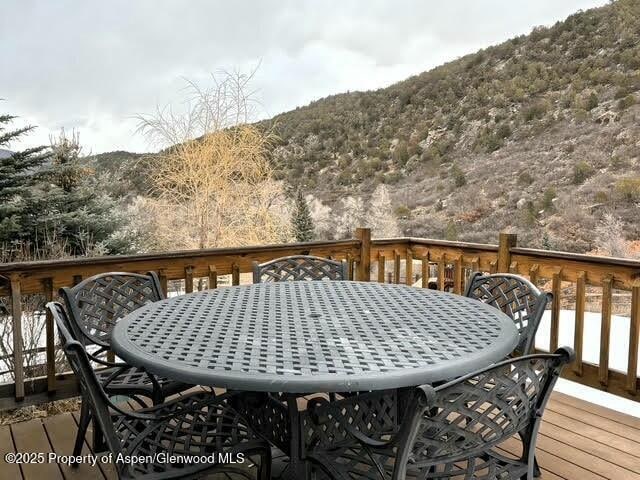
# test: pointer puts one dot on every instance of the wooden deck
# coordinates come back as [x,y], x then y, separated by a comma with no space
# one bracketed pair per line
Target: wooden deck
[578,441]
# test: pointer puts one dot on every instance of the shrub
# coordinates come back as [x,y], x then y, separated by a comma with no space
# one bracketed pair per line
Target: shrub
[402,211]
[626,102]
[618,163]
[392,177]
[535,111]
[503,131]
[547,198]
[525,178]
[591,102]
[601,197]
[581,171]
[629,189]
[459,178]
[451,232]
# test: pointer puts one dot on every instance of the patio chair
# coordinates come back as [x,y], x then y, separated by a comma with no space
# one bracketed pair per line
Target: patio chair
[515,296]
[196,424]
[455,430]
[299,267]
[95,305]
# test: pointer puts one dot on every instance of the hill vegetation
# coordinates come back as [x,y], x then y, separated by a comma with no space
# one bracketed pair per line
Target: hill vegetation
[538,134]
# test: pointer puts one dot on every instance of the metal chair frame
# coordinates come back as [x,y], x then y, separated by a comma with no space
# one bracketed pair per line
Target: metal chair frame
[195,424]
[95,305]
[300,267]
[450,431]
[515,296]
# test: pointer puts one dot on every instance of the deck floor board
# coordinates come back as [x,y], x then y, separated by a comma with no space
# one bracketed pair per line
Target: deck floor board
[577,441]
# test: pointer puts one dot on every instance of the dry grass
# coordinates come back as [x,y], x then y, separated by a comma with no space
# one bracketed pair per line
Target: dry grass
[39,411]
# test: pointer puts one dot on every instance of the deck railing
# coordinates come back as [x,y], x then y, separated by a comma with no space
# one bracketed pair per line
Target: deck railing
[425,262]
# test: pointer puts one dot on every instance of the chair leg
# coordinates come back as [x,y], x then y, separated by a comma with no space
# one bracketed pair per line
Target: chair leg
[264,473]
[83,424]
[536,468]
[99,443]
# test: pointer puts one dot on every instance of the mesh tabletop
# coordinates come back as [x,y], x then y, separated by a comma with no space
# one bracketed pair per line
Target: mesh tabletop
[314,336]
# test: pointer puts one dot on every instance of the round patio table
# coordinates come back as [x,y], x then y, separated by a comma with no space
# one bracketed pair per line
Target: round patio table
[314,336]
[308,337]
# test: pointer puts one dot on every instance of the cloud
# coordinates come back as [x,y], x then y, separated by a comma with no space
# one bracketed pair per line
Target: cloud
[93,65]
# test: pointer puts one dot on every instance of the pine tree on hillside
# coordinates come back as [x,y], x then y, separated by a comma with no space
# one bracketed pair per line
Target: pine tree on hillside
[301,220]
[19,172]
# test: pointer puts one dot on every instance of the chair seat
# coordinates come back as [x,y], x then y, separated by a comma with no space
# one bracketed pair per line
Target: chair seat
[136,381]
[196,424]
[355,461]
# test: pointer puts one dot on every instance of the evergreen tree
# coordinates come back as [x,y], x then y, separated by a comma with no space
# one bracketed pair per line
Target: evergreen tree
[73,208]
[301,220]
[19,172]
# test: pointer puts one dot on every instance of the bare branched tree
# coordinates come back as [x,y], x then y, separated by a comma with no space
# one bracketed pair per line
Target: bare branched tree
[610,237]
[213,184]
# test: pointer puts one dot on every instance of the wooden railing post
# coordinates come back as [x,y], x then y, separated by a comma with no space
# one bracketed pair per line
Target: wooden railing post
[506,243]
[18,356]
[364,265]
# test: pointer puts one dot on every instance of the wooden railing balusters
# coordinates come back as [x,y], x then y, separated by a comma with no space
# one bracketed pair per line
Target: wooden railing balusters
[49,294]
[533,273]
[164,283]
[425,271]
[409,267]
[18,357]
[457,275]
[493,266]
[634,338]
[441,272]
[556,289]
[213,277]
[188,279]
[381,267]
[605,331]
[448,260]
[235,274]
[396,266]
[578,337]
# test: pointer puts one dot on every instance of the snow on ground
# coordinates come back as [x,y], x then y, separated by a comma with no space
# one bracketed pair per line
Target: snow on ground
[618,354]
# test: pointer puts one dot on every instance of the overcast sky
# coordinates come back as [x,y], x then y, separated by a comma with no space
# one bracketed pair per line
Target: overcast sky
[91,65]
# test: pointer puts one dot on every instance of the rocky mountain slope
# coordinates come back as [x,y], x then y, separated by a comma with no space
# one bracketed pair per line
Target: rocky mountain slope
[539,134]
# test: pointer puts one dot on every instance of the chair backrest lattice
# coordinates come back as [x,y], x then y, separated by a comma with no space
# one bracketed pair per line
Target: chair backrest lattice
[300,267]
[516,297]
[97,303]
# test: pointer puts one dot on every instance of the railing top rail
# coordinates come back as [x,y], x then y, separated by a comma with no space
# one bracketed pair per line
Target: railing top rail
[114,259]
[578,257]
[452,244]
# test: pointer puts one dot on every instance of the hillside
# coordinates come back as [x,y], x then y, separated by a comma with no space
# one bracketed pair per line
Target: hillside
[539,133]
